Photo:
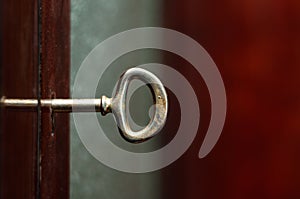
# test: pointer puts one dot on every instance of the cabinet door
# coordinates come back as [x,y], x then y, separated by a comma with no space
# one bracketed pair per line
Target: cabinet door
[34,64]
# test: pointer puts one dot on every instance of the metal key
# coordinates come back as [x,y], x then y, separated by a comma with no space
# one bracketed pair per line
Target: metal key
[115,105]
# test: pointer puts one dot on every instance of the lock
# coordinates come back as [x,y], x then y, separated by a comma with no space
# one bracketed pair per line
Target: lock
[115,105]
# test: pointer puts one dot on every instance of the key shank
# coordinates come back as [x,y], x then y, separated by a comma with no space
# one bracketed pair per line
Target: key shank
[60,105]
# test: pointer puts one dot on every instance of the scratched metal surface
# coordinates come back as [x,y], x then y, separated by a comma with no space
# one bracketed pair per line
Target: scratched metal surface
[92,21]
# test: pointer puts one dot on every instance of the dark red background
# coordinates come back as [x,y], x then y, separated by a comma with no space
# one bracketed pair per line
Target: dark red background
[256,46]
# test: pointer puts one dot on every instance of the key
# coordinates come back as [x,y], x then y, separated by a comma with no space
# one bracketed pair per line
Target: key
[115,105]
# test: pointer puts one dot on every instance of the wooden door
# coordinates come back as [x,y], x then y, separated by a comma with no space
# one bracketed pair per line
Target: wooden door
[34,64]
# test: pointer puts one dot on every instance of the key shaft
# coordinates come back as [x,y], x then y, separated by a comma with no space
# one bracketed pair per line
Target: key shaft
[60,105]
